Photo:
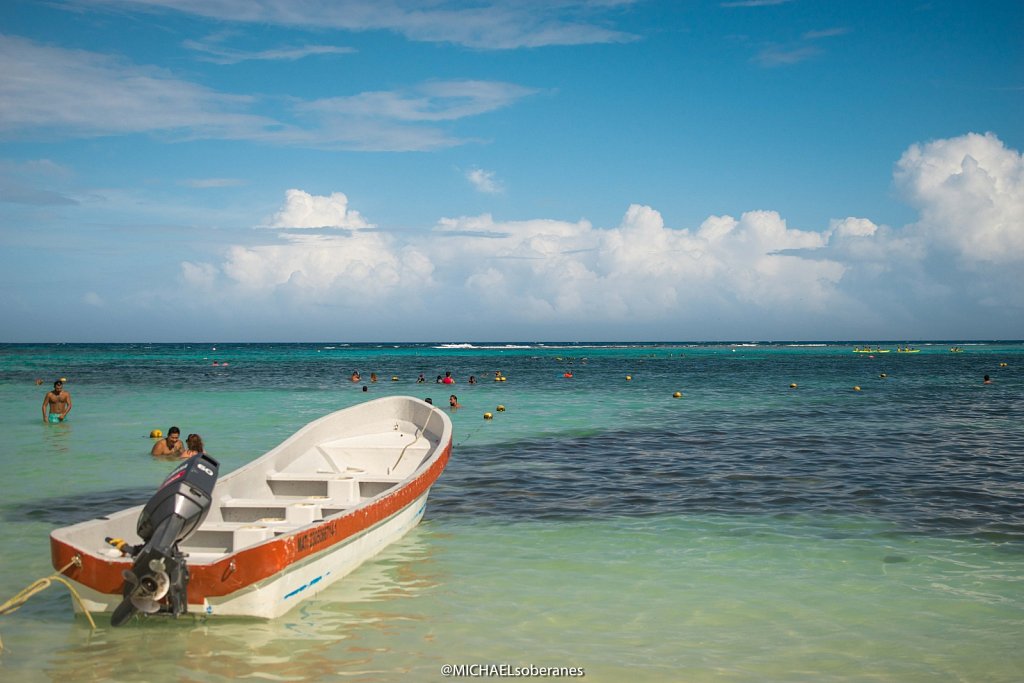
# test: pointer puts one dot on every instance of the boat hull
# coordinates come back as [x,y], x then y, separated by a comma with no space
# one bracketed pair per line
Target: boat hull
[263,568]
[301,580]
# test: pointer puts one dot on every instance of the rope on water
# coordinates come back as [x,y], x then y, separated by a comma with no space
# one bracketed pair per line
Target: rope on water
[40,585]
[467,437]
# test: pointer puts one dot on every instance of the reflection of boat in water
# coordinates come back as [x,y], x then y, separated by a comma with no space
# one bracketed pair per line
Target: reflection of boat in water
[271,533]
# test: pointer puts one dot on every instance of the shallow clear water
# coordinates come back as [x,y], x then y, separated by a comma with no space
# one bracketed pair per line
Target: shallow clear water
[744,532]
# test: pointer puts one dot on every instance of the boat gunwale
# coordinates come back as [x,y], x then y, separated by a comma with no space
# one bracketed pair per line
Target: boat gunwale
[239,569]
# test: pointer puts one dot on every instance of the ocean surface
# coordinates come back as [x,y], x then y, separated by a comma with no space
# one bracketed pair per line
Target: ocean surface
[748,530]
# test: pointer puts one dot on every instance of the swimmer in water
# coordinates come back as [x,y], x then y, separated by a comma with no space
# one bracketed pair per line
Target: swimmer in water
[56,404]
[171,445]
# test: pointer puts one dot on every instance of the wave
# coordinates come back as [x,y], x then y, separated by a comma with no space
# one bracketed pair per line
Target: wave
[486,346]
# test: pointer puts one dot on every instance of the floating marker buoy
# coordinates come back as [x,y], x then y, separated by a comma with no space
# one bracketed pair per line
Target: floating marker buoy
[488,416]
[394,378]
[629,378]
[678,394]
[856,388]
[63,380]
[792,386]
[156,434]
[1003,365]
[501,409]
[883,375]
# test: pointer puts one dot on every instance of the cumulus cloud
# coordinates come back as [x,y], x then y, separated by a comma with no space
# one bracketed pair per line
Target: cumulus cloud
[969,191]
[344,264]
[753,272]
[304,210]
[541,269]
[363,268]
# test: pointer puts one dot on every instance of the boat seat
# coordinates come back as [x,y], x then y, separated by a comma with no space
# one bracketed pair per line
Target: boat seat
[225,537]
[265,510]
[374,486]
[341,488]
[333,485]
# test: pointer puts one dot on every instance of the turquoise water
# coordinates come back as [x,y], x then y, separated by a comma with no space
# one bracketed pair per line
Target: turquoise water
[746,531]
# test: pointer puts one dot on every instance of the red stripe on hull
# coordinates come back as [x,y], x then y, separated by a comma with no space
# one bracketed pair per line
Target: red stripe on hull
[246,567]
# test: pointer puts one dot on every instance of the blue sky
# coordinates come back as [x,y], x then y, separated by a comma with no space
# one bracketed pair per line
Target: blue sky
[564,170]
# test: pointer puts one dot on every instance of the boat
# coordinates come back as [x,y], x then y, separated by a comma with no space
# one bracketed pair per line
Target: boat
[868,349]
[907,349]
[270,534]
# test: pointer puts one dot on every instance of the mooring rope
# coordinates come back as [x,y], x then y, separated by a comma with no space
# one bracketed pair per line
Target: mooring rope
[42,584]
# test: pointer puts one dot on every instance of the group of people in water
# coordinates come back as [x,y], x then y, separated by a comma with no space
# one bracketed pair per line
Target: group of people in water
[441,379]
[172,445]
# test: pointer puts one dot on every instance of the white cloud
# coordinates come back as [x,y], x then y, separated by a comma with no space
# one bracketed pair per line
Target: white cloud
[852,227]
[542,269]
[32,183]
[355,269]
[755,3]
[407,119]
[752,272]
[84,93]
[304,210]
[825,33]
[206,183]
[201,276]
[429,102]
[484,181]
[494,25]
[212,51]
[970,194]
[316,263]
[54,91]
[784,55]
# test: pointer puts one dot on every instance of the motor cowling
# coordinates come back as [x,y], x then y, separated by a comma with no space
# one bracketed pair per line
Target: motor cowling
[158,579]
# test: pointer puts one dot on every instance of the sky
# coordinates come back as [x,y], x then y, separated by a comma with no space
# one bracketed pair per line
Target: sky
[540,170]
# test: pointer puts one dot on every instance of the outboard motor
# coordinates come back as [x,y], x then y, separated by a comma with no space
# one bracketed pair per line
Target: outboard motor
[179,506]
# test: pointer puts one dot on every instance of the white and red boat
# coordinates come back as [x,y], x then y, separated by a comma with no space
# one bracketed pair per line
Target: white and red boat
[274,532]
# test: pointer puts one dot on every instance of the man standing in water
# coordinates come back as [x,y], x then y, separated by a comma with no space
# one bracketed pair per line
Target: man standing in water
[56,404]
